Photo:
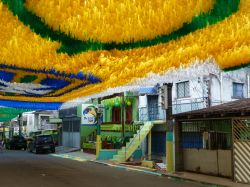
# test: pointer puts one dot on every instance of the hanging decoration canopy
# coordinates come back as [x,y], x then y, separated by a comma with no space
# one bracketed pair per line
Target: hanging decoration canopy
[117,102]
[52,51]
[7,114]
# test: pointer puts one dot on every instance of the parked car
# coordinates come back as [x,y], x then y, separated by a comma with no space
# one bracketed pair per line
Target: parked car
[42,143]
[17,142]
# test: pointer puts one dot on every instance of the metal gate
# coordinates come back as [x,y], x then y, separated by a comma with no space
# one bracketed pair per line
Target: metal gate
[241,138]
[71,132]
[207,146]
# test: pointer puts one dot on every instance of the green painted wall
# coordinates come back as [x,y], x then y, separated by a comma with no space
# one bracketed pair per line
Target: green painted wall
[108,111]
[86,131]
[117,134]
[107,114]
[79,111]
[135,109]
[107,154]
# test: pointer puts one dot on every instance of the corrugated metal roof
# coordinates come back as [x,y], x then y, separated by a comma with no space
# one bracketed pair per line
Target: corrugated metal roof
[237,108]
[148,90]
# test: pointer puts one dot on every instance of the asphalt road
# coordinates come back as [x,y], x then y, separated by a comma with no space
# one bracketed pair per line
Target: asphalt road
[22,169]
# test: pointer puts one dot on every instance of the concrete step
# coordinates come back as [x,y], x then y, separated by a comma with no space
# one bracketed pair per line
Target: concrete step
[119,157]
[136,142]
[125,153]
[121,152]
[141,134]
[133,143]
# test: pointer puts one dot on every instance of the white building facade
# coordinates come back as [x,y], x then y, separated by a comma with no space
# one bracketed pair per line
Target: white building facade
[39,120]
[201,92]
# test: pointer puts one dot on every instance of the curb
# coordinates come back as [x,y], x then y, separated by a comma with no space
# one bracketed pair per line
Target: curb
[169,176]
[127,168]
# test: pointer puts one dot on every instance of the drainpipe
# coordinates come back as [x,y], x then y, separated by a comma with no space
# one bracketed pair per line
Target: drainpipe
[123,115]
[209,89]
[221,84]
[98,134]
[220,80]
[248,89]
[3,132]
[169,101]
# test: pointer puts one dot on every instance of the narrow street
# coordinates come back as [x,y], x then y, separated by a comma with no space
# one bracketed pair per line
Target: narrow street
[22,169]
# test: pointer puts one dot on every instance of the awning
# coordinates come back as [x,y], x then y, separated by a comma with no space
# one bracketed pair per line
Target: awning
[148,90]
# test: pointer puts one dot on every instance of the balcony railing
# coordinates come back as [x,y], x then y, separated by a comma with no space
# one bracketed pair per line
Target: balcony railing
[186,105]
[156,112]
[151,113]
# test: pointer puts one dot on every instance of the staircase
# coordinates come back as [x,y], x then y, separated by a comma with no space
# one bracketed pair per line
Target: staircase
[126,151]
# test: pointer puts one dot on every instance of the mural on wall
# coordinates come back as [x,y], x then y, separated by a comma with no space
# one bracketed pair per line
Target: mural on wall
[79,49]
[89,114]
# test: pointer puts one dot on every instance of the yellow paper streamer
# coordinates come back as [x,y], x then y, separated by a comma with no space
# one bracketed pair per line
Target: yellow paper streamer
[228,42]
[117,21]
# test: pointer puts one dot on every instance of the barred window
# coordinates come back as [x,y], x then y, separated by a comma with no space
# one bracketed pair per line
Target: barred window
[238,90]
[183,89]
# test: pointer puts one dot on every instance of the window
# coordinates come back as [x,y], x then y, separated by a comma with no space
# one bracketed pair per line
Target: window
[207,134]
[182,89]
[238,90]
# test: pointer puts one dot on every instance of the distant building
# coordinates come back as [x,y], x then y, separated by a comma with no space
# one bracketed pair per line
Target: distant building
[189,95]
[38,120]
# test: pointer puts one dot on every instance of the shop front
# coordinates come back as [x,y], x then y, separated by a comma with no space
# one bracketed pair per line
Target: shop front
[207,146]
[89,120]
[215,141]
[70,127]
[120,113]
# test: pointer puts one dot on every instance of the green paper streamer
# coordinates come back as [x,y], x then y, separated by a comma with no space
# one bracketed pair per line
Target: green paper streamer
[12,111]
[237,67]
[222,9]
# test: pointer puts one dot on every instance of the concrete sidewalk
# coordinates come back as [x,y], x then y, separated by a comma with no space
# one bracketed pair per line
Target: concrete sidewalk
[62,149]
[205,179]
[185,176]
[77,156]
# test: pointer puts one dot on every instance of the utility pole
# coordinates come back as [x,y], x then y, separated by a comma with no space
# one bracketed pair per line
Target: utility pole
[123,115]
[98,137]
[98,130]
[4,131]
[167,87]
